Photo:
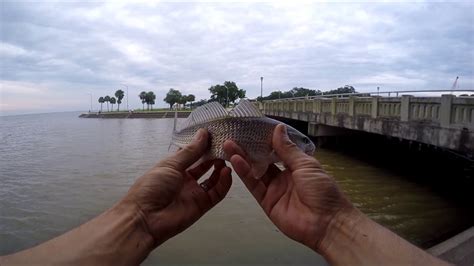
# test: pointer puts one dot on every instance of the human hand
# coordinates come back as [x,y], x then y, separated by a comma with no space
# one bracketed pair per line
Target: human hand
[302,200]
[169,197]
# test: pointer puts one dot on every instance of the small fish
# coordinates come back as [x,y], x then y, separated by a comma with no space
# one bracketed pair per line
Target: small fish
[245,125]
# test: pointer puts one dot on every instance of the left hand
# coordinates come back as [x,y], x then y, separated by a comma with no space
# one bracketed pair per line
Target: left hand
[169,197]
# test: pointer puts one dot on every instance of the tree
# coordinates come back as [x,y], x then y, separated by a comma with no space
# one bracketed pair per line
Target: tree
[191,98]
[345,89]
[200,102]
[142,96]
[172,97]
[150,99]
[107,99]
[119,94]
[229,92]
[101,101]
[112,102]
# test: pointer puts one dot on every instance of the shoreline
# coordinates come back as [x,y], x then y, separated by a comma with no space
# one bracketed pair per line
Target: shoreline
[124,115]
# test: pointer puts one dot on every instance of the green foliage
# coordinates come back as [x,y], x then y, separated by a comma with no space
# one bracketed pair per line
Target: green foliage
[101,101]
[107,99]
[229,92]
[150,99]
[173,96]
[302,92]
[119,94]
[200,102]
[345,89]
[142,96]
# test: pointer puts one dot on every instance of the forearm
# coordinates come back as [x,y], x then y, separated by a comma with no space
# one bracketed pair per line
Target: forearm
[118,236]
[354,239]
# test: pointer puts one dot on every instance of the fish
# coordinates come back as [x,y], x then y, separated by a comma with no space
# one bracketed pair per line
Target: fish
[246,125]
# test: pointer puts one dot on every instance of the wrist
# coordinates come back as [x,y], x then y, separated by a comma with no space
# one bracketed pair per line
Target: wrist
[341,228]
[129,231]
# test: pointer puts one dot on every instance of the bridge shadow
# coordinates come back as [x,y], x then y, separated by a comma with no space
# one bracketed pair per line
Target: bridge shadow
[447,174]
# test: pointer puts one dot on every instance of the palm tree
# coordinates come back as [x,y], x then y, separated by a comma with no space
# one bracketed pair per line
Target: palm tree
[150,99]
[112,102]
[107,99]
[142,96]
[101,101]
[119,94]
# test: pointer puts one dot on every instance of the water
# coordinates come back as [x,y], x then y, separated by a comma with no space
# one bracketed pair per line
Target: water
[58,171]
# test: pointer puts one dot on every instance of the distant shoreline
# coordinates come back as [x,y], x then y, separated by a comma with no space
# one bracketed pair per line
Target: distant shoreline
[157,114]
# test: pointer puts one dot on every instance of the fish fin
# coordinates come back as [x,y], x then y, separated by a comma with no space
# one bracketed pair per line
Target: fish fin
[259,168]
[245,109]
[205,113]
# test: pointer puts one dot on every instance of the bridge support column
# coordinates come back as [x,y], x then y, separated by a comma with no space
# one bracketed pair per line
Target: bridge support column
[333,106]
[405,108]
[375,107]
[351,105]
[445,110]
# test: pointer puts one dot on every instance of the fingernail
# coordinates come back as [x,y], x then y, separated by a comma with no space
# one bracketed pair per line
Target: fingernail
[199,134]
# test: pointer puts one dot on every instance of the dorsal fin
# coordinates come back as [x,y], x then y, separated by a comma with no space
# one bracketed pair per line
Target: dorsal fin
[205,113]
[245,109]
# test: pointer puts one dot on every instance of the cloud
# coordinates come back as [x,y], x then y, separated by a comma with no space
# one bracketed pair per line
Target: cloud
[69,50]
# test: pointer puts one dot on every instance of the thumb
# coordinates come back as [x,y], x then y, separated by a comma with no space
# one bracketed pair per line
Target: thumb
[190,153]
[286,150]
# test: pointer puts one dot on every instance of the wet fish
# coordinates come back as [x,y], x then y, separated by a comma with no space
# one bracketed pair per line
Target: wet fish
[245,125]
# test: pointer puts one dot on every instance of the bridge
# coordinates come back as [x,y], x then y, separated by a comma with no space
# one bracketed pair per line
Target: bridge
[446,121]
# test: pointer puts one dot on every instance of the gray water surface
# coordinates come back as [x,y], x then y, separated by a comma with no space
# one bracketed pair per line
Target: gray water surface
[58,171]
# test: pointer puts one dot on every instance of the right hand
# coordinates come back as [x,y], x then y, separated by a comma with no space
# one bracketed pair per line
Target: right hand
[302,200]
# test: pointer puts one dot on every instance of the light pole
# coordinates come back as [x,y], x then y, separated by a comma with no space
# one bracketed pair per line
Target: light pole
[261,88]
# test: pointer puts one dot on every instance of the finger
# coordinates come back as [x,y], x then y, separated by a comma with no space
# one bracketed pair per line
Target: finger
[286,150]
[244,171]
[221,186]
[190,153]
[212,190]
[212,180]
[272,171]
[201,169]
[230,148]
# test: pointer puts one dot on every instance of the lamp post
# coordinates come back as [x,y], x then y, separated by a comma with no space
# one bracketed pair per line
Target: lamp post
[261,88]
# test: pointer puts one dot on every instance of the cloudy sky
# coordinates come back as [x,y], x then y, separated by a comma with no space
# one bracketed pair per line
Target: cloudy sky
[55,55]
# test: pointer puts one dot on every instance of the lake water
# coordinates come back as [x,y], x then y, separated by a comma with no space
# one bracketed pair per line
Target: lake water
[58,171]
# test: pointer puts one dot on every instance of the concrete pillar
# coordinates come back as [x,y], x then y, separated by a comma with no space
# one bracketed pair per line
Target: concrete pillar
[303,106]
[317,106]
[405,108]
[445,110]
[351,106]
[333,106]
[375,107]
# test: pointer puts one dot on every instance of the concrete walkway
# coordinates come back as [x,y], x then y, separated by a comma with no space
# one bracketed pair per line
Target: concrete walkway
[458,249]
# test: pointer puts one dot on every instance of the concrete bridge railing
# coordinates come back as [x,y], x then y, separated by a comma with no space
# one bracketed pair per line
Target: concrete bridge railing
[446,121]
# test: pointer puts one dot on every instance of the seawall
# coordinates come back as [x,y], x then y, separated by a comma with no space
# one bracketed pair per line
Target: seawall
[159,114]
